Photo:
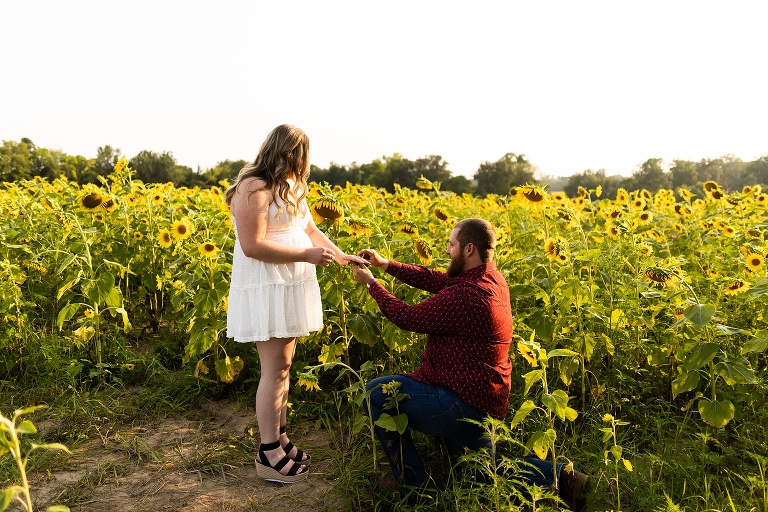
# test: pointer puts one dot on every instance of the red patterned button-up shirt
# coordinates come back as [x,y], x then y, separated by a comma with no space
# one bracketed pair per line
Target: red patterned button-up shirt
[468,322]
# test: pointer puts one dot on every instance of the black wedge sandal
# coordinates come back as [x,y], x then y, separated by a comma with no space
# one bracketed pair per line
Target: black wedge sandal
[300,454]
[266,471]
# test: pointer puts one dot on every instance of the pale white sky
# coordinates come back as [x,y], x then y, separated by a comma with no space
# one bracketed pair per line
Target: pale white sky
[572,85]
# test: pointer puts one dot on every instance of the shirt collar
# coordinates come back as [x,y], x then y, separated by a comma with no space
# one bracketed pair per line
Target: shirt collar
[477,271]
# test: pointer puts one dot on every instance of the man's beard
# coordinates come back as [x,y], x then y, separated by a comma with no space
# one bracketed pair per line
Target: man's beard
[457,265]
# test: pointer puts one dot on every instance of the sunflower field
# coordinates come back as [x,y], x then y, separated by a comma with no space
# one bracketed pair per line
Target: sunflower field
[649,307]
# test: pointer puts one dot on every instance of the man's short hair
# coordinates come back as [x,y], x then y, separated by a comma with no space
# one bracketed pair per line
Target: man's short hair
[480,233]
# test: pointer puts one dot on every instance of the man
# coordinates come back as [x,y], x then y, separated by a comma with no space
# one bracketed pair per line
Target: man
[465,370]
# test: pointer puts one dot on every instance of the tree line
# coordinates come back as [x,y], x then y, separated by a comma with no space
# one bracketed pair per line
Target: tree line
[23,160]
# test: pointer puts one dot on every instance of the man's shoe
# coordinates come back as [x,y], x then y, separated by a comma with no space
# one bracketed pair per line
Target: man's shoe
[574,487]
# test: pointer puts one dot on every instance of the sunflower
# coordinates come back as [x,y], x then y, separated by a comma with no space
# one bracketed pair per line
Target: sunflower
[754,233]
[581,191]
[612,231]
[528,354]
[441,215]
[736,287]
[762,199]
[137,235]
[132,199]
[408,228]
[562,258]
[644,250]
[423,183]
[91,201]
[98,217]
[615,213]
[327,208]
[553,247]
[685,194]
[399,201]
[121,164]
[559,197]
[208,249]
[644,217]
[755,261]
[157,198]
[729,231]
[678,227]
[360,227]
[514,193]
[309,381]
[181,229]
[638,203]
[109,205]
[565,213]
[679,313]
[717,195]
[598,191]
[658,276]
[533,196]
[164,238]
[710,186]
[423,250]
[683,211]
[622,196]
[89,313]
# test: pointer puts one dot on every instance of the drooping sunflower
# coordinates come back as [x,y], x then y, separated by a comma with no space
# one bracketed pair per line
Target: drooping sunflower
[423,250]
[109,205]
[533,196]
[91,200]
[717,195]
[581,191]
[408,228]
[682,211]
[423,183]
[360,227]
[208,249]
[754,233]
[658,276]
[755,261]
[441,214]
[685,194]
[182,229]
[710,186]
[736,287]
[327,208]
[309,381]
[164,238]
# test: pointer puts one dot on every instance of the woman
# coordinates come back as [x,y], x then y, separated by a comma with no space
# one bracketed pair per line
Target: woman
[274,296]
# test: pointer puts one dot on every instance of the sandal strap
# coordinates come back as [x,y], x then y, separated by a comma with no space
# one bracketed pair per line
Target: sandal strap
[282,462]
[299,452]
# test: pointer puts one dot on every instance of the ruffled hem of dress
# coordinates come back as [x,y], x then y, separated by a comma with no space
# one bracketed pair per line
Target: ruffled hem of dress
[251,338]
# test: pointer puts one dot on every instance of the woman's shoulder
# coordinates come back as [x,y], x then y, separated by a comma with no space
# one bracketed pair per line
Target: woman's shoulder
[253,184]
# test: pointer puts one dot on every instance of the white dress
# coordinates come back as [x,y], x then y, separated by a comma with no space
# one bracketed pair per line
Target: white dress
[274,300]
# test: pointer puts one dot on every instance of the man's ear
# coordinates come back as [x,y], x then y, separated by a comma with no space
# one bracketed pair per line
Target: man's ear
[469,249]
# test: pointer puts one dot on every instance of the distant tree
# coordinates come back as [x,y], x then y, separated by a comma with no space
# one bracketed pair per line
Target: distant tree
[684,174]
[102,165]
[223,171]
[588,179]
[335,175]
[757,172]
[459,184]
[555,183]
[154,167]
[651,176]
[15,161]
[498,177]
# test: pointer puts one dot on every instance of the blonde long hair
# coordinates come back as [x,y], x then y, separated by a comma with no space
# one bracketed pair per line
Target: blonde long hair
[285,151]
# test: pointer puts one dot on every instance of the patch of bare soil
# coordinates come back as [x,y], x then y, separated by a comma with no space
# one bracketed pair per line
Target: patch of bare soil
[203,462]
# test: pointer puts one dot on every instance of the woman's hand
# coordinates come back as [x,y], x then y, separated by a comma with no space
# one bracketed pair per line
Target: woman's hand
[319,256]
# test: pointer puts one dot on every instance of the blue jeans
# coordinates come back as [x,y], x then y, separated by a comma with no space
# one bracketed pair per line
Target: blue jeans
[437,411]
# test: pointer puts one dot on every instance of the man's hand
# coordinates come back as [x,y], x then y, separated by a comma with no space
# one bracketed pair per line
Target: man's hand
[361,274]
[374,258]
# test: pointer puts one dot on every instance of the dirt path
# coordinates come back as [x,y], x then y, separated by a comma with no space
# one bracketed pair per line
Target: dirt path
[200,463]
